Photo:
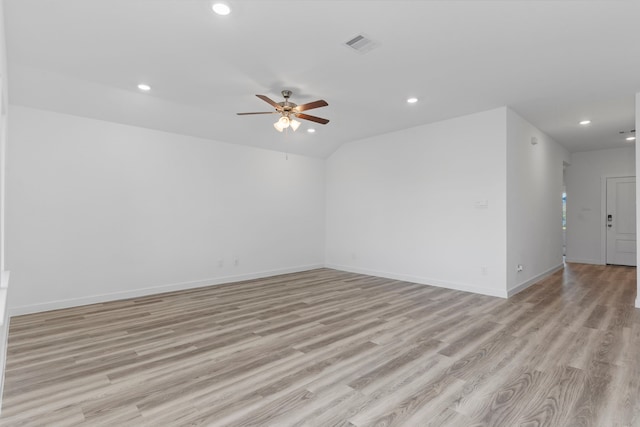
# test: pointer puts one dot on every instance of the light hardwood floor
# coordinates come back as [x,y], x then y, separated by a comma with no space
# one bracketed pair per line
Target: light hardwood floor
[328,348]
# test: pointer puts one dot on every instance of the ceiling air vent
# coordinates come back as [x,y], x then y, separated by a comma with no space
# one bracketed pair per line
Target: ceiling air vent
[361,44]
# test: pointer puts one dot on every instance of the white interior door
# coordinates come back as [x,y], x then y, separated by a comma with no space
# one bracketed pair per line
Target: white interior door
[621,221]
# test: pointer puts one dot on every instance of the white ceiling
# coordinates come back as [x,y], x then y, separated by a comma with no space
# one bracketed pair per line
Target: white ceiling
[554,62]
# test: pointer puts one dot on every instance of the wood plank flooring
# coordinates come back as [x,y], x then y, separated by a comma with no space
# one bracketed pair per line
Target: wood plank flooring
[328,348]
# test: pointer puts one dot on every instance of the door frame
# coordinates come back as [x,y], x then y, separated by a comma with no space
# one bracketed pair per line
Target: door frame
[603,213]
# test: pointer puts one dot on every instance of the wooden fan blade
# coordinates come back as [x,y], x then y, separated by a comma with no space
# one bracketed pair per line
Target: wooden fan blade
[270,102]
[262,112]
[312,118]
[311,105]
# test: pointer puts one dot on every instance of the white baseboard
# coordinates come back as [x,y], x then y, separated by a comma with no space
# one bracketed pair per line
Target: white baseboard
[4,285]
[4,279]
[524,285]
[584,261]
[422,280]
[135,293]
[638,302]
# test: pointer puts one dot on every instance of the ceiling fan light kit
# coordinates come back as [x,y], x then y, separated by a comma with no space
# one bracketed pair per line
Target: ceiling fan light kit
[281,124]
[285,122]
[288,110]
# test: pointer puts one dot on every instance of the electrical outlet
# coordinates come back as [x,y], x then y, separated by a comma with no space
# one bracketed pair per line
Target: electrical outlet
[519,268]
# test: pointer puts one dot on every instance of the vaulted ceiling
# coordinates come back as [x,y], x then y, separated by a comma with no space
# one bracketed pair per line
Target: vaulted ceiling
[554,62]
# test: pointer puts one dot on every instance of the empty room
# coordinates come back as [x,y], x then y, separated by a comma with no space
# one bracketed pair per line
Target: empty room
[319,213]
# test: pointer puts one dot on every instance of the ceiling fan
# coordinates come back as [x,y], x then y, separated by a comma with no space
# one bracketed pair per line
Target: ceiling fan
[289,111]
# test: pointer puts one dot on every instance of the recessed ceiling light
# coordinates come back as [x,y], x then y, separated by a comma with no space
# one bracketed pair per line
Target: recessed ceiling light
[585,122]
[412,100]
[221,9]
[631,138]
[144,87]
[311,130]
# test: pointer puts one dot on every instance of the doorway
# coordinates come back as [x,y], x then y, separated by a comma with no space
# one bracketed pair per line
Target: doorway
[620,221]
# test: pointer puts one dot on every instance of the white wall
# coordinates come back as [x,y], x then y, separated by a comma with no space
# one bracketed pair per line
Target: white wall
[98,211]
[409,204]
[534,207]
[584,199]
[4,275]
[638,195]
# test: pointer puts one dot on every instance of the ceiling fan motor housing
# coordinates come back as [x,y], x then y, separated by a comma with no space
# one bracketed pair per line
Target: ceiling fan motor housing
[286,105]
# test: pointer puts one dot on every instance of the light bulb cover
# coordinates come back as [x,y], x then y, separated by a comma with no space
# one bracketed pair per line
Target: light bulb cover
[295,125]
[284,122]
[278,127]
